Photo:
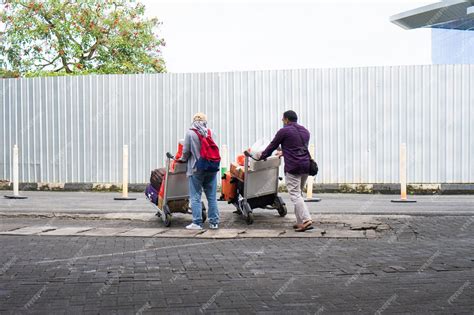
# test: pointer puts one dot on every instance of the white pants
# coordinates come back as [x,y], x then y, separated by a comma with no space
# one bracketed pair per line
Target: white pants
[295,185]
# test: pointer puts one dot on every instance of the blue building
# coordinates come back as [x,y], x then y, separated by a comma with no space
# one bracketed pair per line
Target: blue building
[452,27]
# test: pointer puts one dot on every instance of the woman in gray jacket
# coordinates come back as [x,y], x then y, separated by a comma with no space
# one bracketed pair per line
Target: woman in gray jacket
[199,180]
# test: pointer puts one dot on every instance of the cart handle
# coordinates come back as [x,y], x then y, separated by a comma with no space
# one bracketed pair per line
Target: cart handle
[247,154]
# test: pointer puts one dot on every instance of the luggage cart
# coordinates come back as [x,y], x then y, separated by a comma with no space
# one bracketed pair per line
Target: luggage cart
[176,193]
[258,188]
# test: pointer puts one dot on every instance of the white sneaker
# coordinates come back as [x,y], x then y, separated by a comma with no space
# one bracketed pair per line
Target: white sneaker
[213,226]
[193,226]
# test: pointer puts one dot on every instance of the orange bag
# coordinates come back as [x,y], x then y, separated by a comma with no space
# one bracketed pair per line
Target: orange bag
[178,155]
[241,158]
[229,190]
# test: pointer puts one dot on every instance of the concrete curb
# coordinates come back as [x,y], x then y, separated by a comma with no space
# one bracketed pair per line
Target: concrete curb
[93,216]
[181,233]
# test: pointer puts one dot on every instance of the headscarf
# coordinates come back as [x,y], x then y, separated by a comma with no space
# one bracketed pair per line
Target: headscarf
[200,123]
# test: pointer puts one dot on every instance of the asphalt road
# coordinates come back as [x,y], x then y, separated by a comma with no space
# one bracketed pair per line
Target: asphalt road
[97,203]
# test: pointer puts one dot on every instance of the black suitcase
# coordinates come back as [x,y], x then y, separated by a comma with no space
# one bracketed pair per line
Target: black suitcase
[156,177]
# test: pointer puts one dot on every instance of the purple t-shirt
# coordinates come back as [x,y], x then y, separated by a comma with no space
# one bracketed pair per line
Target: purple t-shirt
[294,148]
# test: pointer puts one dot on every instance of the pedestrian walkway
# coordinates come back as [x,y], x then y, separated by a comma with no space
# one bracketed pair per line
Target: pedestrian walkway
[359,228]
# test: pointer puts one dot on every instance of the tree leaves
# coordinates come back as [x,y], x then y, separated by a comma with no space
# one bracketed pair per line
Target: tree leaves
[78,37]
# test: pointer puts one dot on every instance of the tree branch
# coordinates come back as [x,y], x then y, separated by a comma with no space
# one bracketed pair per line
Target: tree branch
[49,62]
[60,40]
[92,50]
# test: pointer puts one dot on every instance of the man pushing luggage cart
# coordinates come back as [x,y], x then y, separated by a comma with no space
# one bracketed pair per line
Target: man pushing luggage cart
[293,139]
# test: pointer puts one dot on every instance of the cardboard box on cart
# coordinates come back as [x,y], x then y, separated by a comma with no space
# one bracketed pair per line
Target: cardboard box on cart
[237,170]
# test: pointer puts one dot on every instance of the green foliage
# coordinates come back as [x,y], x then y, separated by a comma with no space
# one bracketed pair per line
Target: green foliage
[58,37]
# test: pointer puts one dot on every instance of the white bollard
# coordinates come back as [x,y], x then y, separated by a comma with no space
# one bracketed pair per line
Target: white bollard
[16,190]
[125,176]
[403,175]
[403,171]
[310,181]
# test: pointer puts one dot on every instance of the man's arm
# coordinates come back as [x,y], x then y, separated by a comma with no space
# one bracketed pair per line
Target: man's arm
[273,145]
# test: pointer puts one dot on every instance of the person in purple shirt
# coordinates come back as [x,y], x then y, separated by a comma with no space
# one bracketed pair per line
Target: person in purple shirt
[294,140]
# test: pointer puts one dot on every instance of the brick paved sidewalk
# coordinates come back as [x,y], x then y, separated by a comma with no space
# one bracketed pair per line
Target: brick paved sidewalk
[425,266]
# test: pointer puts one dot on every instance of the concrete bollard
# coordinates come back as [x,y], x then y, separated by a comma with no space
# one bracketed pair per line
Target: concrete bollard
[16,190]
[310,181]
[125,176]
[403,175]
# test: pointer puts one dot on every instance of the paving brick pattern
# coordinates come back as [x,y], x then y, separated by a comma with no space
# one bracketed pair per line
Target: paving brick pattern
[326,226]
[422,265]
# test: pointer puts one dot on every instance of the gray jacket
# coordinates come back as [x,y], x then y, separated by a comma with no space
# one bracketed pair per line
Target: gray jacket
[192,150]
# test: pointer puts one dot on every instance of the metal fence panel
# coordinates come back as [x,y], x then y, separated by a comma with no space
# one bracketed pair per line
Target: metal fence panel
[71,129]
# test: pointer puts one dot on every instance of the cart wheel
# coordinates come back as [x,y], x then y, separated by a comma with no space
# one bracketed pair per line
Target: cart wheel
[249,218]
[247,210]
[282,211]
[280,206]
[166,216]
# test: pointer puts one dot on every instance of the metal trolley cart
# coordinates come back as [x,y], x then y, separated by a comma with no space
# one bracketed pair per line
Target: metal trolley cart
[258,188]
[176,193]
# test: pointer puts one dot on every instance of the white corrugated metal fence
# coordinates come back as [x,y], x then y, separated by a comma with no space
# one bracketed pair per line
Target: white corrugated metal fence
[71,129]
